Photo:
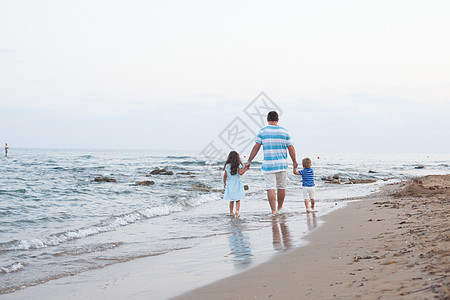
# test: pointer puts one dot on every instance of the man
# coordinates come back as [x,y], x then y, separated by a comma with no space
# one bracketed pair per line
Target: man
[6,149]
[276,143]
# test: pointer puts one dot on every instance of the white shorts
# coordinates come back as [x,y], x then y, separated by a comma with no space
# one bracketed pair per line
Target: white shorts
[308,192]
[275,180]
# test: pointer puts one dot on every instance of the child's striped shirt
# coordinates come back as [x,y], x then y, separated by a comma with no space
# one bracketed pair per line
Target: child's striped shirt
[307,176]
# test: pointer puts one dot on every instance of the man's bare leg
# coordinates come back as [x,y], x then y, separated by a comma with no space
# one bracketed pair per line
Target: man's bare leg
[280,198]
[272,200]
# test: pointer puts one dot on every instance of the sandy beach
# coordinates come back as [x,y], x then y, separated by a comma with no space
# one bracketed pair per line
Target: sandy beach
[393,244]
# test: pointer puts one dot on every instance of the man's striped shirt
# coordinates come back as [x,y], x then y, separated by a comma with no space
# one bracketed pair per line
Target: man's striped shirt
[275,140]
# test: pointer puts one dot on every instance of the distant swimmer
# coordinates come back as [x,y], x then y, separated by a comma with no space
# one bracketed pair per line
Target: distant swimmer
[6,149]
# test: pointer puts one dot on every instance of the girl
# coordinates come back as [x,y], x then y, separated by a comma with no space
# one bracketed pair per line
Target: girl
[232,182]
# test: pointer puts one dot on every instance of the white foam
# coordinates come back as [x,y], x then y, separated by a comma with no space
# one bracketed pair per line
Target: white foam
[109,225]
[17,266]
[328,192]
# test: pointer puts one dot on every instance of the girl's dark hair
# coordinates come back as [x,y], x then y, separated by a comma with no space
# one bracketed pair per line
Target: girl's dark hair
[234,160]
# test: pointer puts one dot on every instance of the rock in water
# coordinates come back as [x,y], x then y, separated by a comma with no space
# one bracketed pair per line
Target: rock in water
[146,182]
[166,173]
[200,187]
[334,181]
[161,172]
[358,181]
[185,173]
[104,179]
[246,187]
[330,179]
[157,171]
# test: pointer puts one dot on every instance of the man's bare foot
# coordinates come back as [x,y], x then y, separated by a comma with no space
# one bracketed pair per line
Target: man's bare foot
[237,214]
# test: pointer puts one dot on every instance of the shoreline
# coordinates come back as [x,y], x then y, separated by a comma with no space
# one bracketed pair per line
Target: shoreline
[212,259]
[371,248]
[392,244]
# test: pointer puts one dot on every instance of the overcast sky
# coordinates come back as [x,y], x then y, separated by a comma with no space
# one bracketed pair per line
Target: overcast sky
[349,76]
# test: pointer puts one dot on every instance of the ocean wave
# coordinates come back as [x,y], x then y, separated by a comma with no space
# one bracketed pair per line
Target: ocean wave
[18,191]
[62,216]
[90,249]
[178,157]
[17,266]
[194,163]
[108,225]
[202,199]
[198,162]
[59,168]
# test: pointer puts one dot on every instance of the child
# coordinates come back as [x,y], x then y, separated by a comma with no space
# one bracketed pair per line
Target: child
[232,182]
[308,183]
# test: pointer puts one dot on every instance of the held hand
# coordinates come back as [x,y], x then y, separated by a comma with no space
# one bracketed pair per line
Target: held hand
[247,166]
[295,165]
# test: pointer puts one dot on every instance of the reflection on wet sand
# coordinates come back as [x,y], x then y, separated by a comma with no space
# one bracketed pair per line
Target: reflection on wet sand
[311,221]
[280,241]
[240,246]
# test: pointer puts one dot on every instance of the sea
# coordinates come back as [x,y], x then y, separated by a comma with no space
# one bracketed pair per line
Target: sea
[56,221]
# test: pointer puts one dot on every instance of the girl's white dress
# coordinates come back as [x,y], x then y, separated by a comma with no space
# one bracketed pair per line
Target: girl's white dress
[234,190]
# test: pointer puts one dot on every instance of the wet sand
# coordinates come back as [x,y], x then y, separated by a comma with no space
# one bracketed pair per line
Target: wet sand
[390,245]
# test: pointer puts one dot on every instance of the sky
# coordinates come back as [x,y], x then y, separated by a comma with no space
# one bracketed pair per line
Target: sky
[349,76]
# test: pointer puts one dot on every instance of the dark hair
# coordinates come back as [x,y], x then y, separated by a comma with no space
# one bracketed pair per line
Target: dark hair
[272,116]
[234,160]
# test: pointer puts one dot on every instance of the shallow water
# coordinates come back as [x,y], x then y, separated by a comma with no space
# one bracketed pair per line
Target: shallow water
[56,221]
